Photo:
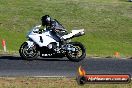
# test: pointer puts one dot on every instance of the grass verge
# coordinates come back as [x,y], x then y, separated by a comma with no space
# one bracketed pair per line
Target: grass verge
[52,83]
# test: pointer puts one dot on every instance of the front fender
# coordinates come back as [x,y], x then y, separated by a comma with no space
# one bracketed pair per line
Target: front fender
[30,43]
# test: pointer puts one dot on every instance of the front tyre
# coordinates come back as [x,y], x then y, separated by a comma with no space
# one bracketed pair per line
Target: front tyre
[28,53]
[77,52]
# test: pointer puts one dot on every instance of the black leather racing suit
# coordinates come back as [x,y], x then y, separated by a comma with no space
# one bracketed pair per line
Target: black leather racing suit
[57,29]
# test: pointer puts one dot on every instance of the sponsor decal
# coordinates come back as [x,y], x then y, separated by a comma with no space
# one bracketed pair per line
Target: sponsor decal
[83,78]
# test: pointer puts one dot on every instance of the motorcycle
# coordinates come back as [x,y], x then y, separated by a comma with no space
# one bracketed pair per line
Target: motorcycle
[47,44]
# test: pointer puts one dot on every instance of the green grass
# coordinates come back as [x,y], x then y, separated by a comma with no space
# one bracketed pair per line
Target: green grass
[107,23]
[52,83]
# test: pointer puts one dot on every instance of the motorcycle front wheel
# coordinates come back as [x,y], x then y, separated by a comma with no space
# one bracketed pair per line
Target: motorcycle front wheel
[78,54]
[28,53]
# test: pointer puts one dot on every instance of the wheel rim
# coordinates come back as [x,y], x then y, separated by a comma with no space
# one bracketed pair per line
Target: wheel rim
[28,52]
[77,53]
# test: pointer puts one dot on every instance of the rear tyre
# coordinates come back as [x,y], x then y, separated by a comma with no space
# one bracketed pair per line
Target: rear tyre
[79,53]
[28,53]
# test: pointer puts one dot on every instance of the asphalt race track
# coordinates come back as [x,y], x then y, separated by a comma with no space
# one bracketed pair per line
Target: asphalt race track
[15,66]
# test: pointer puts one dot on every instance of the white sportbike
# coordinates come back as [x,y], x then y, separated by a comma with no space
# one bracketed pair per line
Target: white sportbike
[47,44]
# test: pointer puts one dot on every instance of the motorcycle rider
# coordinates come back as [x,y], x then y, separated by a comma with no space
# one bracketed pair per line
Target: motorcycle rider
[52,25]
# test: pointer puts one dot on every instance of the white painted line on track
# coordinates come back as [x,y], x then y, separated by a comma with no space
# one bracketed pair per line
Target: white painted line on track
[48,76]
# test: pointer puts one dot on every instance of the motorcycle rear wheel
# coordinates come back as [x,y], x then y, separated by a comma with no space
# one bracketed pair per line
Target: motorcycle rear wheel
[27,54]
[77,55]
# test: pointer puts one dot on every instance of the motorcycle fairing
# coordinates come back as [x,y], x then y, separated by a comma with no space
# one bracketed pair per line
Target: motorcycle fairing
[73,34]
[46,37]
